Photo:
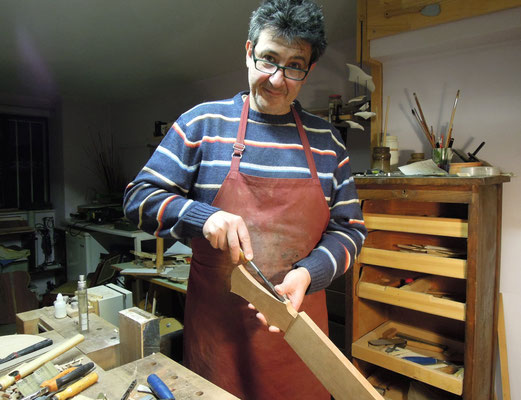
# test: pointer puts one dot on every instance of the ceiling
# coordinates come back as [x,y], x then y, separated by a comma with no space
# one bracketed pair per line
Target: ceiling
[119,48]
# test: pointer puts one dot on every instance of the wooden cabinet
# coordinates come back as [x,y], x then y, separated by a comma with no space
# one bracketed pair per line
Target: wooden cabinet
[429,273]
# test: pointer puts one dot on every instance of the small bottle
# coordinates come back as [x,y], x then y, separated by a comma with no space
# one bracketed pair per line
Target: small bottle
[59,307]
[381,159]
[83,305]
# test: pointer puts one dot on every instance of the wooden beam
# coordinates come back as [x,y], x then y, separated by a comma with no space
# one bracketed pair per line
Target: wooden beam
[138,334]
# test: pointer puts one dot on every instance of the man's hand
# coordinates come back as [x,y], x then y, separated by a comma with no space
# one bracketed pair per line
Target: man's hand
[227,231]
[294,286]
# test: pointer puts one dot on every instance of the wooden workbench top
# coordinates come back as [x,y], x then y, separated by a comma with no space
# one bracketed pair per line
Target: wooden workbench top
[101,341]
[183,383]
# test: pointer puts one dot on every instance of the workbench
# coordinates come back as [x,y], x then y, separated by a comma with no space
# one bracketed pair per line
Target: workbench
[101,343]
[137,236]
[101,346]
[164,282]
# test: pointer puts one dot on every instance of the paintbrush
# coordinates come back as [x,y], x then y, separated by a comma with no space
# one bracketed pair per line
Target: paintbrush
[423,128]
[449,129]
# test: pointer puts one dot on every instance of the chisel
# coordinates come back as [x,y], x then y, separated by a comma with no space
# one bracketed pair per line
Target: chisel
[77,387]
[159,387]
[250,264]
[60,380]
[27,350]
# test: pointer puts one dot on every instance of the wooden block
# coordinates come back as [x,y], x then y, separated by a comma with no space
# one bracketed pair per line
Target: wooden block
[138,334]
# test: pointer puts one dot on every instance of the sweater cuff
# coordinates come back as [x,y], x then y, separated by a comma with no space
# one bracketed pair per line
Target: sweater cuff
[193,221]
[315,264]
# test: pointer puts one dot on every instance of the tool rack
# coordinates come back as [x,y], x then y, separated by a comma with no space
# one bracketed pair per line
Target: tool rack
[447,300]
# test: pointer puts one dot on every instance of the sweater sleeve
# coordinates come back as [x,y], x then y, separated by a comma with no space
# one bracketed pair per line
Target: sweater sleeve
[156,200]
[345,234]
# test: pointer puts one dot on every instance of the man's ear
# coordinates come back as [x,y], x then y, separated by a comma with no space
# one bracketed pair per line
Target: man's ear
[249,48]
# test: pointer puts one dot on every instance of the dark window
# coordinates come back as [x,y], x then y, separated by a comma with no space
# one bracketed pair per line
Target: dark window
[24,162]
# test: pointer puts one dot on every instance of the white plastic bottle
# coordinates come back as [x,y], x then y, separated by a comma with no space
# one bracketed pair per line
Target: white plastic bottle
[59,307]
[83,305]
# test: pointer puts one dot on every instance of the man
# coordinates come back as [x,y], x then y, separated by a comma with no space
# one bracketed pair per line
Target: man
[256,172]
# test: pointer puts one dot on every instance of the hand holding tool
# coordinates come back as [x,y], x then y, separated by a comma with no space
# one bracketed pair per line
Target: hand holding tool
[77,387]
[60,380]
[27,350]
[250,264]
[159,387]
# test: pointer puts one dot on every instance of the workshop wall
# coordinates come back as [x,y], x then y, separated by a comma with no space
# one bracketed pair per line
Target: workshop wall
[134,121]
[481,57]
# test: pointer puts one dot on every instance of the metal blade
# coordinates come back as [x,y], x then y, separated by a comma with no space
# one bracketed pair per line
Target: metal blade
[263,277]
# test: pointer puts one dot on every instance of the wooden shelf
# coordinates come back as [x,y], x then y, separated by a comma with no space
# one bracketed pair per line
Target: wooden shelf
[430,261]
[381,285]
[429,374]
[425,263]
[451,227]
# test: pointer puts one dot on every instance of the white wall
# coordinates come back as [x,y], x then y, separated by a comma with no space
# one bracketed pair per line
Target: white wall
[481,57]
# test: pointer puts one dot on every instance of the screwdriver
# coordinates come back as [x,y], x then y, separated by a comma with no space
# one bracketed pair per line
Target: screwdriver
[64,377]
[77,387]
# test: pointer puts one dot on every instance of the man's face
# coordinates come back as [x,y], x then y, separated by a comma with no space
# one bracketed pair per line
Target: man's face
[273,94]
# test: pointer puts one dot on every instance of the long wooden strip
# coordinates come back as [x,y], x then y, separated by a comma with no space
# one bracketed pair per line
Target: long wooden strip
[503,355]
[452,227]
[451,267]
[323,358]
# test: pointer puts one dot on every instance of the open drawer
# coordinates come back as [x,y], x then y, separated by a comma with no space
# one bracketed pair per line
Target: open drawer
[447,374]
[432,294]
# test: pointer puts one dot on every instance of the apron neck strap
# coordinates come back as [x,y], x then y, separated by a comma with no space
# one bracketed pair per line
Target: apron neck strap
[239,145]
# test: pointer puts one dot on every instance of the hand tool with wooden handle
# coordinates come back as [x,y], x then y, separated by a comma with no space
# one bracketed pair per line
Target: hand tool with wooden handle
[250,264]
[77,387]
[323,358]
[60,380]
[29,367]
[159,387]
[27,350]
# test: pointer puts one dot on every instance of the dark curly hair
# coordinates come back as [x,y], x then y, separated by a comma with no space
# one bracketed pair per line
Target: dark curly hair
[293,21]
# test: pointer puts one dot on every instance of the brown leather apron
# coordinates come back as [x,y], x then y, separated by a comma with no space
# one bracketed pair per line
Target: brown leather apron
[223,340]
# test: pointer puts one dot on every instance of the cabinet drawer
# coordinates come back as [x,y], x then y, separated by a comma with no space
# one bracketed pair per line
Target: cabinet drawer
[452,227]
[451,267]
[427,293]
[433,375]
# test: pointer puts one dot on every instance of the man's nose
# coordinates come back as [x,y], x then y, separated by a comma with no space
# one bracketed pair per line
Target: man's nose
[277,79]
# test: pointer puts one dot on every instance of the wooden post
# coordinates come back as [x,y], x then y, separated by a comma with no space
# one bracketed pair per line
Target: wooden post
[159,255]
[138,334]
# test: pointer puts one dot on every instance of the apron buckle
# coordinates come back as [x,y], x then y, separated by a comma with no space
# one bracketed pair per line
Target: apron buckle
[238,148]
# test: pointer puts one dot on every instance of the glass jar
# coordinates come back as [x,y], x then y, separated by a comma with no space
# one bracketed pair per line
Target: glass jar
[392,143]
[381,159]
[335,107]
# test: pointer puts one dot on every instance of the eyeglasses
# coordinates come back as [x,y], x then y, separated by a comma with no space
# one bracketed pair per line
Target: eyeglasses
[268,67]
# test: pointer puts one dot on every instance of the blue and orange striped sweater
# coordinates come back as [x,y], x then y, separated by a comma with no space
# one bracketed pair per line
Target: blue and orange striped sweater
[172,195]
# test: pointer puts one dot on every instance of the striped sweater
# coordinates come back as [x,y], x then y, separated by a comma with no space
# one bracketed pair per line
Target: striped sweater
[172,195]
